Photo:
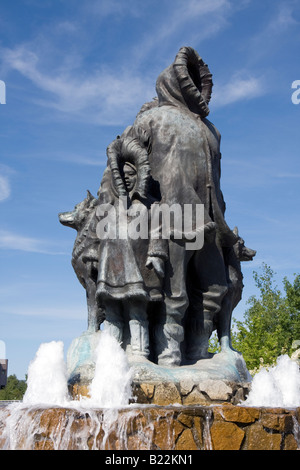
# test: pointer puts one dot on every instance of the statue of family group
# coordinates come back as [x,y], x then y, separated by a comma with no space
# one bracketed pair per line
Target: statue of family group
[160,296]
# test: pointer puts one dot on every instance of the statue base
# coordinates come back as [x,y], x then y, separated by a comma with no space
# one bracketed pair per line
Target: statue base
[222,378]
[150,428]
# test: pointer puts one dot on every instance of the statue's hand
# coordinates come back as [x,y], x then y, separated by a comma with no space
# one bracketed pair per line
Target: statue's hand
[157,264]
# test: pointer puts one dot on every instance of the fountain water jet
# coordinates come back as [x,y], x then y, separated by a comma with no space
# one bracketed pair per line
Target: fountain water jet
[47,376]
[111,385]
[47,390]
[277,386]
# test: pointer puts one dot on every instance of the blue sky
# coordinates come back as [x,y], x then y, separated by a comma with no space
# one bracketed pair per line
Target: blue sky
[76,74]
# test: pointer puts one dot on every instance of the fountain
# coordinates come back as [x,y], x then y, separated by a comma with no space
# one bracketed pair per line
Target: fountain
[161,270]
[109,418]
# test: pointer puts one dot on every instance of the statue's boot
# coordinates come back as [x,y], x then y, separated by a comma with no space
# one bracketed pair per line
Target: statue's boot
[197,342]
[139,343]
[199,324]
[113,323]
[168,339]
[114,329]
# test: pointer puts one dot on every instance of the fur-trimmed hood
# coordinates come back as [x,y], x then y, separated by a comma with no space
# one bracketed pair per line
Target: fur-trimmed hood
[187,81]
[130,149]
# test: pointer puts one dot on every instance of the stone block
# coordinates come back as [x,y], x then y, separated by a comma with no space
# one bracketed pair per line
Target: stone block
[277,422]
[166,432]
[226,436]
[186,419]
[236,414]
[216,389]
[186,441]
[148,390]
[186,386]
[195,398]
[260,439]
[290,443]
[166,394]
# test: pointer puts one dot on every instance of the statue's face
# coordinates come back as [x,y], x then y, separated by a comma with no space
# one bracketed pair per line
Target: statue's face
[129,177]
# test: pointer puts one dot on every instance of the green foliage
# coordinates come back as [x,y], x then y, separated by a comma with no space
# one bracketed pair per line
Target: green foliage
[214,345]
[14,389]
[272,322]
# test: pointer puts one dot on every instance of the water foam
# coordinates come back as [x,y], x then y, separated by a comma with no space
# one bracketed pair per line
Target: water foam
[47,387]
[47,382]
[278,386]
[47,376]
[111,385]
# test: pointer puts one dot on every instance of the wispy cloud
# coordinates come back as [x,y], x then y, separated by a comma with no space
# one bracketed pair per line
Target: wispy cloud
[107,98]
[13,241]
[80,159]
[282,20]
[5,185]
[103,96]
[238,88]
[267,42]
[4,188]
[191,21]
[112,93]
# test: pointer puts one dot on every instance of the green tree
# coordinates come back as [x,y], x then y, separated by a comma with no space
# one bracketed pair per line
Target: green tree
[272,322]
[14,389]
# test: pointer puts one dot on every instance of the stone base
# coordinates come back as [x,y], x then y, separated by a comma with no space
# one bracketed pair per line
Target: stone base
[206,393]
[177,428]
[222,378]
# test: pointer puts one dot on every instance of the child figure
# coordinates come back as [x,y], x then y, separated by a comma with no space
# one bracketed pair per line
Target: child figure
[130,270]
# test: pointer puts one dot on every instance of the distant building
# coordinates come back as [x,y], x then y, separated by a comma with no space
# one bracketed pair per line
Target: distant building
[3,372]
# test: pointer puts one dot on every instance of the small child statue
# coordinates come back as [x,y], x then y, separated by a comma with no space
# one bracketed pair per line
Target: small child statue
[131,267]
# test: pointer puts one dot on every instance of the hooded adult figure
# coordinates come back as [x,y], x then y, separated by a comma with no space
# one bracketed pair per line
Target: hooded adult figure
[185,165]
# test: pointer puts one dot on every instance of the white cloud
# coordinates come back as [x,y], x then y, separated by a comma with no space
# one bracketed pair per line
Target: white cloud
[104,96]
[4,188]
[112,95]
[268,41]
[283,19]
[12,241]
[195,9]
[237,89]
[193,20]
[107,98]
[82,160]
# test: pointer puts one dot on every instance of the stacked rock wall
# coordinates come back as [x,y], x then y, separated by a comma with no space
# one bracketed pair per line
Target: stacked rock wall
[176,428]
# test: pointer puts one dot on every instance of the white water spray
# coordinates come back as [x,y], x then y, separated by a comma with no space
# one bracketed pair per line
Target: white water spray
[279,386]
[111,385]
[47,387]
[47,377]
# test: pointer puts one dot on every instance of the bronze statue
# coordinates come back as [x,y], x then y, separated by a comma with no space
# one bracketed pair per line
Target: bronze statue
[160,294]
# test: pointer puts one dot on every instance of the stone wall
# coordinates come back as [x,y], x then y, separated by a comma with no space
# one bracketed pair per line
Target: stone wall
[218,427]
[184,392]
